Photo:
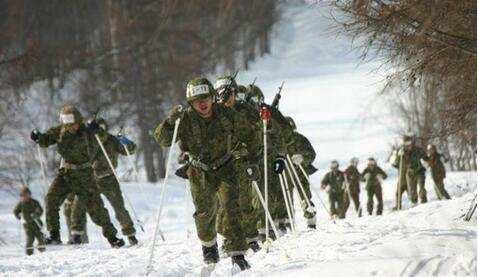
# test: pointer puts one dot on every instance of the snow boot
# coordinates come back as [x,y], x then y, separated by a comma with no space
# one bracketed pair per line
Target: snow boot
[311,226]
[54,238]
[76,239]
[210,254]
[116,242]
[132,240]
[282,228]
[272,235]
[240,262]
[254,246]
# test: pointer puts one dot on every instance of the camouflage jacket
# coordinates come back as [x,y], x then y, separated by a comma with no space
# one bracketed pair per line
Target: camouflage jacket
[78,148]
[301,145]
[28,211]
[279,133]
[353,178]
[210,140]
[436,165]
[114,148]
[335,180]
[412,160]
[370,174]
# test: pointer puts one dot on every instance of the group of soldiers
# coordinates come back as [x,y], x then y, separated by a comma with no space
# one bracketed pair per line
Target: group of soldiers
[242,157]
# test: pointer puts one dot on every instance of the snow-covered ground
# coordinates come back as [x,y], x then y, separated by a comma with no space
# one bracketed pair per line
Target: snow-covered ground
[334,103]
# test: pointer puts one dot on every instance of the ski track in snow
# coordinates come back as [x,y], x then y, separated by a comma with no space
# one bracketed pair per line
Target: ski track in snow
[334,103]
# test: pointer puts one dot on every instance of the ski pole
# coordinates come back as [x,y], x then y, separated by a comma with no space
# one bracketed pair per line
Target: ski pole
[311,189]
[310,208]
[161,199]
[43,170]
[286,199]
[265,116]
[117,179]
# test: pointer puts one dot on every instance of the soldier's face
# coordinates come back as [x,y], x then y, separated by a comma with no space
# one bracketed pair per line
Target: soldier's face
[203,106]
[25,197]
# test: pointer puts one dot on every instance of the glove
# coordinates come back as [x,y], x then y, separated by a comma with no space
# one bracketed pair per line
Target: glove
[400,152]
[124,140]
[35,135]
[253,173]
[297,159]
[182,172]
[174,114]
[279,165]
[93,127]
[18,216]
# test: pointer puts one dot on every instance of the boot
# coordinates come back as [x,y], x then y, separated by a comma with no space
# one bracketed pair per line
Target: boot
[272,235]
[311,226]
[282,228]
[76,239]
[54,238]
[254,246]
[262,237]
[210,254]
[116,242]
[240,262]
[132,240]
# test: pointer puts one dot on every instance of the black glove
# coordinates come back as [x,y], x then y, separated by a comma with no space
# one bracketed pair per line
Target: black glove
[93,127]
[279,165]
[174,114]
[182,172]
[35,135]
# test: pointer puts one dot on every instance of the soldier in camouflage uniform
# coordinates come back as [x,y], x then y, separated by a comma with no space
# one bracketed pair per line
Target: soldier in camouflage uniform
[334,183]
[435,161]
[279,134]
[410,159]
[70,202]
[353,177]
[30,211]
[302,153]
[228,95]
[106,181]
[77,147]
[211,137]
[373,176]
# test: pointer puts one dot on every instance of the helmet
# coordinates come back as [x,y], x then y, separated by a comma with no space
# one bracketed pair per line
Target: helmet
[69,115]
[407,139]
[255,94]
[354,161]
[291,122]
[25,190]
[199,88]
[371,161]
[431,147]
[241,93]
[334,164]
[224,87]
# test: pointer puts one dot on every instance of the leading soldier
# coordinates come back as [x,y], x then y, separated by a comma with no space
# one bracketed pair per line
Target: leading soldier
[210,136]
[77,147]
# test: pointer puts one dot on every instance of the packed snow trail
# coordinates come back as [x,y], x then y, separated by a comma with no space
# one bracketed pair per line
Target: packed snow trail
[334,103]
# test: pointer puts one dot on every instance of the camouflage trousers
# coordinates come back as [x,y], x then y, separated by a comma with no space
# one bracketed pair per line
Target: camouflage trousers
[109,187]
[33,232]
[337,203]
[440,188]
[70,204]
[247,209]
[414,180]
[374,191]
[276,201]
[210,190]
[81,183]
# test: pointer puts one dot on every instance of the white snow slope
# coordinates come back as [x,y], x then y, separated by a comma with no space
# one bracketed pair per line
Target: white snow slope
[334,104]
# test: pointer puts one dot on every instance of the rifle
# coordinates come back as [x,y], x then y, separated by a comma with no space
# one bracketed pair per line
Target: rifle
[275,103]
[227,88]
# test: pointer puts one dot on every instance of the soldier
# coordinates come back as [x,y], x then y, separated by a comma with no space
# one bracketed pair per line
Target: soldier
[210,136]
[77,147]
[352,176]
[30,211]
[373,176]
[302,153]
[279,134]
[333,182]
[70,202]
[106,181]
[436,160]
[228,91]
[409,160]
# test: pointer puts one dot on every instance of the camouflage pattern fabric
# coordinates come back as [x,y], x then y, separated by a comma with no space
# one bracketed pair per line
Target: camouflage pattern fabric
[30,212]
[71,204]
[414,172]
